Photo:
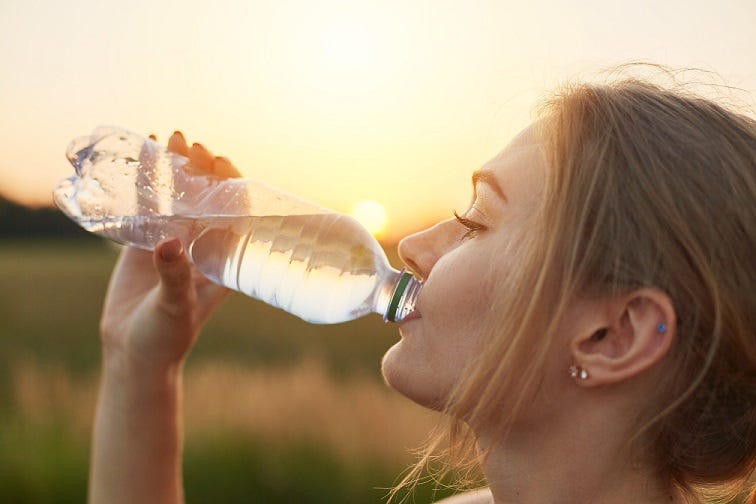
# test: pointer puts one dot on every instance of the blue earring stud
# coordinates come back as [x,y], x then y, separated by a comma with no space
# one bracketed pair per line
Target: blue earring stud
[662,328]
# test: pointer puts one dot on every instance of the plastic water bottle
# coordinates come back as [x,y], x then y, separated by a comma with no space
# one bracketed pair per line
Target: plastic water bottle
[317,264]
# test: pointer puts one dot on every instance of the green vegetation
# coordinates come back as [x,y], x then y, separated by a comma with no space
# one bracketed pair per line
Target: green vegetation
[52,294]
[323,426]
[276,410]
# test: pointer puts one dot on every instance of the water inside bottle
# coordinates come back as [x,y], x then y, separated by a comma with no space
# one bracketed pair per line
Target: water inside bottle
[321,267]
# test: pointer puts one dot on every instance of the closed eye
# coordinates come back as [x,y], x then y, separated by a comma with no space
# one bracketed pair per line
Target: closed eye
[472,226]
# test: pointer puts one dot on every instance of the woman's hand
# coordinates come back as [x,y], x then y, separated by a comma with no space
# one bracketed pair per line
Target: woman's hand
[155,307]
[157,302]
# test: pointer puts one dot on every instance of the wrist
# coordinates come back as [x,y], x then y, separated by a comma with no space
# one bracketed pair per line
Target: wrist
[127,371]
[132,360]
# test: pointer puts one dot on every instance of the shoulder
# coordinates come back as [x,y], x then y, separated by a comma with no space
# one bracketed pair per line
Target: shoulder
[482,496]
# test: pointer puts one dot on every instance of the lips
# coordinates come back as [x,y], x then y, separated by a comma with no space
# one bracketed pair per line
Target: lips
[412,316]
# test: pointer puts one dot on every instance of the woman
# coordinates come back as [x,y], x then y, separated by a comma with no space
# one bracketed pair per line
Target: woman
[588,323]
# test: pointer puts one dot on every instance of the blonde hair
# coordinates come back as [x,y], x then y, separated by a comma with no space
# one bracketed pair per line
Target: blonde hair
[647,186]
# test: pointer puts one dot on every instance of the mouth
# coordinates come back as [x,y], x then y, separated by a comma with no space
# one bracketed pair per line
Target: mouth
[413,315]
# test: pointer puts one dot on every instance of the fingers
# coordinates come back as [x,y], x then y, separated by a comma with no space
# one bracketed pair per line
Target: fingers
[223,168]
[138,262]
[176,287]
[201,160]
[209,297]
[177,144]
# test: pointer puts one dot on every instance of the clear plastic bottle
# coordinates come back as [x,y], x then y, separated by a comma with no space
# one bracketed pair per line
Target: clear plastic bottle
[317,264]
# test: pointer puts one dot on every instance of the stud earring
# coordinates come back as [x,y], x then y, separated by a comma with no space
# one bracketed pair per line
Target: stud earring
[662,328]
[578,373]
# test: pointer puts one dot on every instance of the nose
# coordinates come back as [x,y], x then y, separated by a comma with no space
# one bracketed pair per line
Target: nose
[420,251]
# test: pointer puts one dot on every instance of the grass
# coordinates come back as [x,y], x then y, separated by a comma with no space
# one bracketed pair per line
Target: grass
[51,295]
[293,434]
[276,410]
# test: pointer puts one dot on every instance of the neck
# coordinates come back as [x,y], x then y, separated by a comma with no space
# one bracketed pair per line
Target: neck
[580,462]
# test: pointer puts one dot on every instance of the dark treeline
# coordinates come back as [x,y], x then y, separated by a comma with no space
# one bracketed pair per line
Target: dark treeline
[20,222]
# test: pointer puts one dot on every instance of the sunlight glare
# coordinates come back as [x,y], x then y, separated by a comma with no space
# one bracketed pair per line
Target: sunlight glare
[349,53]
[370,214]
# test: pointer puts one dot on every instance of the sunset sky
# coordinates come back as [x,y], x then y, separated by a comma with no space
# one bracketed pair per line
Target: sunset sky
[395,101]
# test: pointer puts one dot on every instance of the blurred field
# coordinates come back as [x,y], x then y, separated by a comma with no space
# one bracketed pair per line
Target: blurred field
[276,410]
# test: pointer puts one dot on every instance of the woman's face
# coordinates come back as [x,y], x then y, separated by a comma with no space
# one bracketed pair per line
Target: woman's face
[463,262]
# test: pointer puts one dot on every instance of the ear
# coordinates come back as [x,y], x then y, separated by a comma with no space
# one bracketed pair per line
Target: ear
[626,336]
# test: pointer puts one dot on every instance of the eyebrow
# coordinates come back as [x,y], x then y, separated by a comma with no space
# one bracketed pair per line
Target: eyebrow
[487,177]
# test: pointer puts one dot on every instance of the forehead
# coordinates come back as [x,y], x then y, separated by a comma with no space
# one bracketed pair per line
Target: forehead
[521,166]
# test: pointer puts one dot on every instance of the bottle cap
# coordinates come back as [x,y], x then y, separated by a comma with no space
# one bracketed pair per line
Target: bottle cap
[396,298]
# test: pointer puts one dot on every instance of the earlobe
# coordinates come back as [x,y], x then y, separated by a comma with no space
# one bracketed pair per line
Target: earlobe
[636,333]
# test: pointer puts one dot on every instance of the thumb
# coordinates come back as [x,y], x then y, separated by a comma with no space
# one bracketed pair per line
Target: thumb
[176,287]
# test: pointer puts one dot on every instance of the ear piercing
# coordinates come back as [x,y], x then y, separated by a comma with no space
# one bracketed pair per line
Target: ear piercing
[577,372]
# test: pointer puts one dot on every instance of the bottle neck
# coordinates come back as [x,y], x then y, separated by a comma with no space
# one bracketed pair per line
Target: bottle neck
[403,297]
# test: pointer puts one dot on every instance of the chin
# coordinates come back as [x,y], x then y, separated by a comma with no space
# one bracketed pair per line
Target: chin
[413,381]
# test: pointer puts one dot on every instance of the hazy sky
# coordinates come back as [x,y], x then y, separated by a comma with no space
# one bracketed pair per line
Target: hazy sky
[339,101]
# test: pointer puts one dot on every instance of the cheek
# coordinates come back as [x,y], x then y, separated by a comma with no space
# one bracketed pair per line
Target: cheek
[459,296]
[429,360]
[456,307]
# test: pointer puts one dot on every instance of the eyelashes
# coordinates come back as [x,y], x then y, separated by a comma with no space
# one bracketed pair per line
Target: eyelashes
[472,226]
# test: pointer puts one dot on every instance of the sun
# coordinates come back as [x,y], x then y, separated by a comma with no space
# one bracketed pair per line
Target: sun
[370,214]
